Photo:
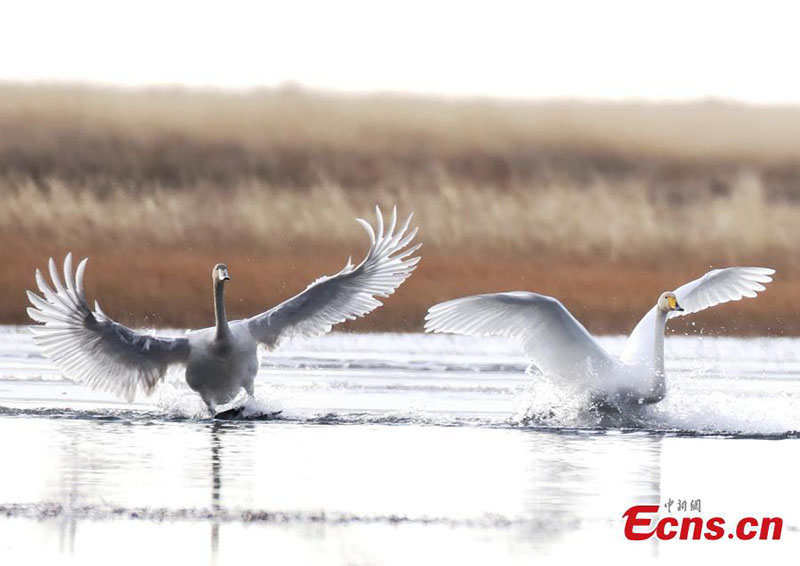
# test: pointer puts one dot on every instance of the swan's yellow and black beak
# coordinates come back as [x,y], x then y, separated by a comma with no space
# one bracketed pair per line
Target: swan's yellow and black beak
[673,304]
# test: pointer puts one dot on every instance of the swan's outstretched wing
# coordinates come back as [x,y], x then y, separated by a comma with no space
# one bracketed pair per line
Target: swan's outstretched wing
[721,286]
[91,347]
[349,294]
[715,287]
[549,335]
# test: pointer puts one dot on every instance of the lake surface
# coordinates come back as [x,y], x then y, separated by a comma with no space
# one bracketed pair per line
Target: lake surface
[397,449]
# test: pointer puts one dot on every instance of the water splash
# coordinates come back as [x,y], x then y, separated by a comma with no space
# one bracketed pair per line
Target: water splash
[175,399]
[726,386]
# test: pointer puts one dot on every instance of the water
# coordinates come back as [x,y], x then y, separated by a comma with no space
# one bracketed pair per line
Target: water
[396,449]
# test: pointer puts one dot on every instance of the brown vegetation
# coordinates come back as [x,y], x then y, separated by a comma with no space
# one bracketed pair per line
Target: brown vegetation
[603,206]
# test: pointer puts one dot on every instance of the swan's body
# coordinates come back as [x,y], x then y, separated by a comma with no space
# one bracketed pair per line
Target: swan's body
[222,360]
[560,346]
[218,369]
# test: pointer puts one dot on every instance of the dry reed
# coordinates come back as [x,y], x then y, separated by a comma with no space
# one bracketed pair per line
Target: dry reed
[602,205]
[608,251]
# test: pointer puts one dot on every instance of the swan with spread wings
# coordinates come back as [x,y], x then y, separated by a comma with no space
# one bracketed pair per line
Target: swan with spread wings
[222,360]
[560,346]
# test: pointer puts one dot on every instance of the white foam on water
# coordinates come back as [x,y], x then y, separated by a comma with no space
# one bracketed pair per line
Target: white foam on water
[715,384]
[176,399]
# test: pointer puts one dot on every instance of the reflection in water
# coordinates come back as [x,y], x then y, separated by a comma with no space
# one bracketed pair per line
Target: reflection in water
[67,524]
[575,481]
[216,486]
[364,494]
[355,473]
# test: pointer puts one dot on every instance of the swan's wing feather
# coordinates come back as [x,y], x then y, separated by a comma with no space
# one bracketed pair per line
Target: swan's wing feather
[715,287]
[89,346]
[351,293]
[549,335]
[721,286]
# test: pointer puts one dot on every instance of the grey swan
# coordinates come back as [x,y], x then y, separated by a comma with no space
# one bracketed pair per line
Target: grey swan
[222,360]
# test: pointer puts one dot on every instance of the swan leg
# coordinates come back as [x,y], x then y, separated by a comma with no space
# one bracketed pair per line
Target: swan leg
[236,412]
[249,388]
[210,407]
[231,414]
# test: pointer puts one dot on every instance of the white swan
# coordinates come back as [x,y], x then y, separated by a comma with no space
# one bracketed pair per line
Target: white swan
[221,360]
[560,346]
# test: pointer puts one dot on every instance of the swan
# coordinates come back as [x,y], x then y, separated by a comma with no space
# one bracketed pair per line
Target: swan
[222,360]
[561,347]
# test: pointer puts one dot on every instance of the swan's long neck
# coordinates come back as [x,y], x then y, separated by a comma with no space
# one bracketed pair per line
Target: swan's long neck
[223,330]
[660,385]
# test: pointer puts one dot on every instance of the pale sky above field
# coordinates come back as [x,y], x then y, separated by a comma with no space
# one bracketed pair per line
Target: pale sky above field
[563,48]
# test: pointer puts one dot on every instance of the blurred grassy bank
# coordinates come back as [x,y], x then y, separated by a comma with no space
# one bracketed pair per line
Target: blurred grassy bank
[601,205]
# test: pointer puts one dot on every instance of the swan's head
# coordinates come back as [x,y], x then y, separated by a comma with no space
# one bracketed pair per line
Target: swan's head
[220,272]
[668,302]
